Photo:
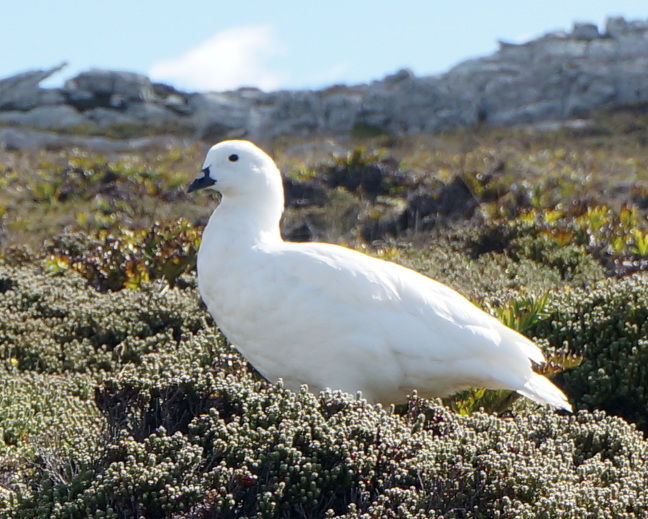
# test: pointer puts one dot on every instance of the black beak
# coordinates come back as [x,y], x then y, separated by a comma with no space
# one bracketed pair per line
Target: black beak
[201,182]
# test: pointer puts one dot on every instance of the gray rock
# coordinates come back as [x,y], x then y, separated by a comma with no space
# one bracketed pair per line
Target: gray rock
[107,84]
[153,114]
[178,103]
[554,50]
[508,53]
[46,117]
[589,92]
[81,99]
[585,31]
[22,91]
[26,139]
[223,115]
[297,113]
[633,89]
[340,109]
[554,35]
[638,25]
[377,108]
[416,105]
[602,50]
[401,75]
[283,113]
[631,47]
[616,26]
[105,117]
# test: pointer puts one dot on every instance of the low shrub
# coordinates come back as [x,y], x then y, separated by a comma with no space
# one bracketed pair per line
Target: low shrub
[606,324]
[189,432]
[222,445]
[126,258]
[57,323]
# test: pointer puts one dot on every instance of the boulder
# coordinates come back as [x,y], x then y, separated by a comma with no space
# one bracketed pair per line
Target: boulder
[429,105]
[638,25]
[108,89]
[288,113]
[22,91]
[616,26]
[153,114]
[46,117]
[109,82]
[225,115]
[589,91]
[106,117]
[633,89]
[340,109]
[557,50]
[631,47]
[173,99]
[602,50]
[377,108]
[585,31]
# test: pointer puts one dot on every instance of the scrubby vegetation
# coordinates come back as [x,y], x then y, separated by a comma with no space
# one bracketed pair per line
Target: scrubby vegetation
[119,398]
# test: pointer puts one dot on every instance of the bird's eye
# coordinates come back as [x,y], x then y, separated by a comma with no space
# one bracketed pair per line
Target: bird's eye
[233,157]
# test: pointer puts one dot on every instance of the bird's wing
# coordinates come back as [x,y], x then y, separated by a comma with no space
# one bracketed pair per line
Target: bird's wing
[437,323]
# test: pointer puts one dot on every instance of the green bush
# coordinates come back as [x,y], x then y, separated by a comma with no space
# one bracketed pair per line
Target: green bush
[125,258]
[606,324]
[181,428]
[56,323]
[85,176]
[222,445]
[44,422]
[31,403]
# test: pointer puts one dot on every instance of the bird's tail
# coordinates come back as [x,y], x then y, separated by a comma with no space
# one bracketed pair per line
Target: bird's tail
[541,390]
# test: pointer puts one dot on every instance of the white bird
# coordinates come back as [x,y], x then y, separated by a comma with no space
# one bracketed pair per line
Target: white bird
[331,317]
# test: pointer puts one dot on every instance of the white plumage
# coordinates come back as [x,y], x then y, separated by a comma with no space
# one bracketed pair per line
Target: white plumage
[330,317]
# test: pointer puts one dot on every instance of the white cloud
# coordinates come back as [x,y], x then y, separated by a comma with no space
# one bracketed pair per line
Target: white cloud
[230,59]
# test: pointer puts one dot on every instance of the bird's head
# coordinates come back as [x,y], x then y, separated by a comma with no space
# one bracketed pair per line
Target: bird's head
[239,168]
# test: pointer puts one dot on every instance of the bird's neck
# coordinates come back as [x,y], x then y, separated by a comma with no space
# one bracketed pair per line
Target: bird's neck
[246,220]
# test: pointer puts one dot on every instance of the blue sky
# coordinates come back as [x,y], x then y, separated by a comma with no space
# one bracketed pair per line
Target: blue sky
[219,45]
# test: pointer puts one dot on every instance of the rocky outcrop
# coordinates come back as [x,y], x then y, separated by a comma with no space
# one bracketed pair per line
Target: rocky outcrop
[12,138]
[22,91]
[560,76]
